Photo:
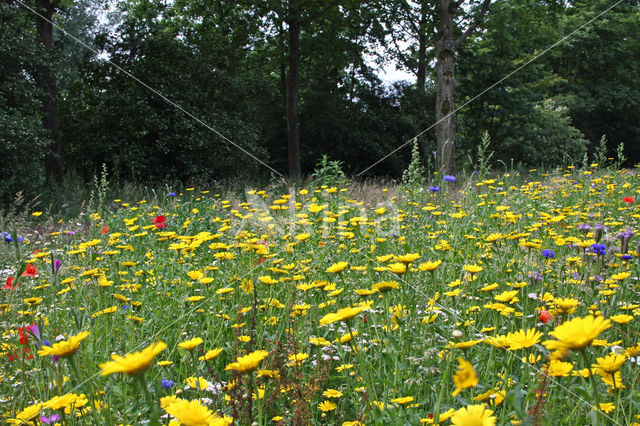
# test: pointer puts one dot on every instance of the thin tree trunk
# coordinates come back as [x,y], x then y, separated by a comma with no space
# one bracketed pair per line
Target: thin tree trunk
[293,87]
[422,48]
[53,159]
[445,86]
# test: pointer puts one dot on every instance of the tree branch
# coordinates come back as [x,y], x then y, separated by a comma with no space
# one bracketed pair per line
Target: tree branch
[477,21]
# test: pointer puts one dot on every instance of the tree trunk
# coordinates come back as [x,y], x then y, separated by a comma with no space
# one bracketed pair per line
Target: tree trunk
[53,159]
[293,87]
[445,84]
[422,48]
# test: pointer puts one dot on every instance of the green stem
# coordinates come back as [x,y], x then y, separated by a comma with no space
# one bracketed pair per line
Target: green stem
[154,410]
[594,388]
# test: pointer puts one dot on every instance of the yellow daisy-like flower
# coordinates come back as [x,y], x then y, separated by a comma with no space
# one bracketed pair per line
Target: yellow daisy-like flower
[472,269]
[429,266]
[407,258]
[213,353]
[577,334]
[297,359]
[248,363]
[193,413]
[190,344]
[195,275]
[384,286]
[327,406]
[620,276]
[342,315]
[567,305]
[621,318]
[558,368]
[332,393]
[25,415]
[523,339]
[197,383]
[473,415]
[465,377]
[402,401]
[61,402]
[610,363]
[348,337]
[337,267]
[397,268]
[132,364]
[64,348]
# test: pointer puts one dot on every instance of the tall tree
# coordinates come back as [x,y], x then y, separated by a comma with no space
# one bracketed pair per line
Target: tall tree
[448,41]
[46,76]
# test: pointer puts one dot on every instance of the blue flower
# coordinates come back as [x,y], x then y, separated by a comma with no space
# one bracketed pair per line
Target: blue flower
[167,384]
[626,257]
[434,188]
[548,254]
[599,249]
[449,178]
[7,237]
[171,194]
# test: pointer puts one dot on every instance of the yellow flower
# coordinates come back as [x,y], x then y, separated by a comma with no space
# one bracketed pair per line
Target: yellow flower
[195,275]
[407,258]
[567,306]
[61,402]
[577,334]
[607,407]
[337,267]
[347,337]
[621,318]
[36,214]
[559,368]
[523,339]
[403,400]
[197,383]
[342,315]
[266,279]
[132,364]
[190,344]
[248,363]
[429,266]
[193,413]
[297,359]
[397,268]
[465,377]
[327,406]
[507,296]
[332,393]
[64,348]
[383,286]
[473,415]
[472,269]
[610,363]
[25,415]
[211,354]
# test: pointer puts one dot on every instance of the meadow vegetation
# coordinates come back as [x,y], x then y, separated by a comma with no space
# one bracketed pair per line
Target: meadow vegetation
[502,299]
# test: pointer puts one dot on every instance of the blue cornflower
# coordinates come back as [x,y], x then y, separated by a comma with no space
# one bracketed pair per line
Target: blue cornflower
[434,188]
[599,249]
[548,254]
[171,194]
[167,384]
[449,178]
[7,237]
[626,257]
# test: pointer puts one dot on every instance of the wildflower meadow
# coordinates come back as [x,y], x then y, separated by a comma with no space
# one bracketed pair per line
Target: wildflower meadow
[478,300]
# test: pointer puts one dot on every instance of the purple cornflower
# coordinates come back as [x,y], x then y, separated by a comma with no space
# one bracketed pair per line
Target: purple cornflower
[167,384]
[548,254]
[449,178]
[171,194]
[434,188]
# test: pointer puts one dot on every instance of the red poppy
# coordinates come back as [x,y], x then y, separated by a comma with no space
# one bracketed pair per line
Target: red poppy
[628,200]
[545,316]
[159,222]
[104,230]
[9,284]
[30,272]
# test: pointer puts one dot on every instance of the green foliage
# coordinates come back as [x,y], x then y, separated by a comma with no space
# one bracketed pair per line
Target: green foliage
[483,156]
[329,172]
[600,154]
[98,195]
[414,175]
[22,138]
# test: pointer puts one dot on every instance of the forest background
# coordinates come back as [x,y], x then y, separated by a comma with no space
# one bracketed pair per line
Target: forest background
[291,80]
